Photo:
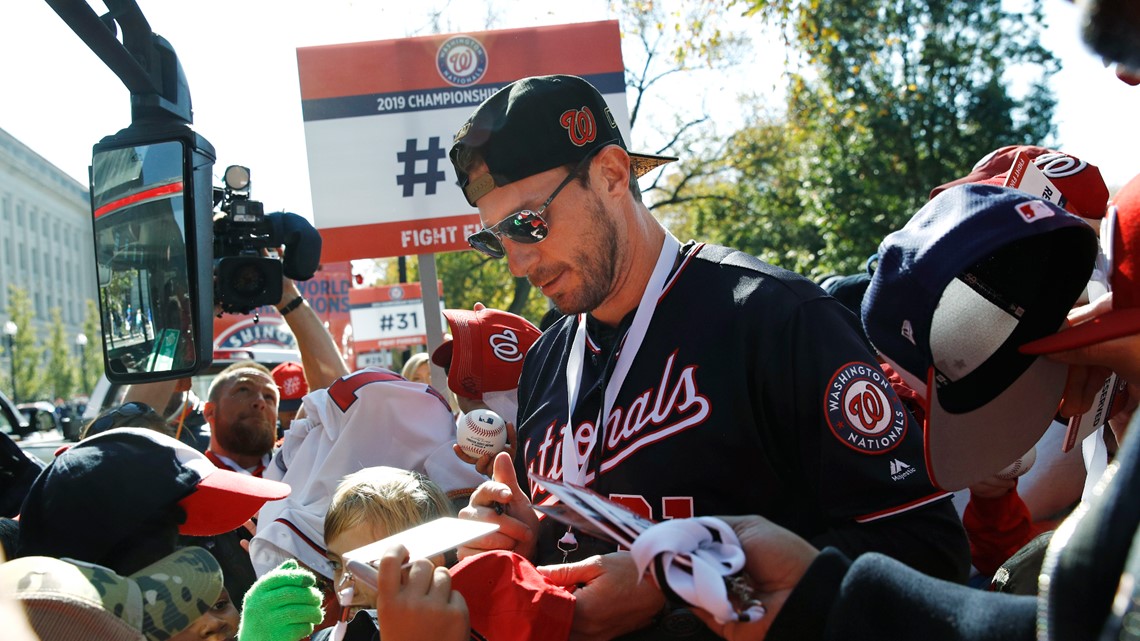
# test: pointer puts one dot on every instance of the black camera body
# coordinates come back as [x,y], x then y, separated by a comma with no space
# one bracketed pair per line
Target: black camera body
[247,275]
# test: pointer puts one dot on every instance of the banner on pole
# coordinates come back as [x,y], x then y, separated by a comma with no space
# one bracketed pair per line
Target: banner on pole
[380,116]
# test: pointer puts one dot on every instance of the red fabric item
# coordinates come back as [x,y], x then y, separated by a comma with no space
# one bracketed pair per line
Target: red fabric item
[1080,182]
[1124,253]
[486,351]
[997,528]
[508,600]
[909,397]
[291,384]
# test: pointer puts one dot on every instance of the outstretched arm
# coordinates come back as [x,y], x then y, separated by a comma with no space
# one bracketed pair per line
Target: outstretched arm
[319,354]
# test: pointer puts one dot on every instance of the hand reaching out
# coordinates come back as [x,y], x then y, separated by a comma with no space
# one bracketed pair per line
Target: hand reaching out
[485,463]
[416,602]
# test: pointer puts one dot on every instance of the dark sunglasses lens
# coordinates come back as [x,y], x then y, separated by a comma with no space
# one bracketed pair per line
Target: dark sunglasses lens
[486,243]
[525,227]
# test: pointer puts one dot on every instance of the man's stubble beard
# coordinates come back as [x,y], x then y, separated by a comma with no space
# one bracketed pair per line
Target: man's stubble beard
[596,263]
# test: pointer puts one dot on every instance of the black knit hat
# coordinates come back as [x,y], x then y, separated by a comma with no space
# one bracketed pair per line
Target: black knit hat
[536,124]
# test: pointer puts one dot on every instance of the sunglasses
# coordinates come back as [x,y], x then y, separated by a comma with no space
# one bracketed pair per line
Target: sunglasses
[524,226]
[118,416]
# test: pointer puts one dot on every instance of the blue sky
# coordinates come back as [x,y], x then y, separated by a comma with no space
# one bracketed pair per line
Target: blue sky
[240,60]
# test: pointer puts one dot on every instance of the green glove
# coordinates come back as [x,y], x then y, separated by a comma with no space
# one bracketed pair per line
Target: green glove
[283,605]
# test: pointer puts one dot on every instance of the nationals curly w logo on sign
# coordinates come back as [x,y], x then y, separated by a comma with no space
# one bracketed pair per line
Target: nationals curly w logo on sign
[461,61]
[581,125]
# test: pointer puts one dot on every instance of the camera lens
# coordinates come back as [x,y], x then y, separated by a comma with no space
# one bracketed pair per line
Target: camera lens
[248,279]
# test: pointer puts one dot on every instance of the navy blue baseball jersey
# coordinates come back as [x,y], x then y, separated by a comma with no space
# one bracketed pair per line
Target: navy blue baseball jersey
[752,393]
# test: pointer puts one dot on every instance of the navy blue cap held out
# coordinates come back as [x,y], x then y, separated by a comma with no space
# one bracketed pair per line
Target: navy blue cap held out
[534,125]
[976,273]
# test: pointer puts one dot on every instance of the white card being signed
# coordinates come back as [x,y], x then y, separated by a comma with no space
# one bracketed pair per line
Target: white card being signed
[423,542]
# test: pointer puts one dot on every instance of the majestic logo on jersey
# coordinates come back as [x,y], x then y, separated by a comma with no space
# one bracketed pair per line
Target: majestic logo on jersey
[900,470]
[505,346]
[863,411]
[461,61]
[656,414]
[581,125]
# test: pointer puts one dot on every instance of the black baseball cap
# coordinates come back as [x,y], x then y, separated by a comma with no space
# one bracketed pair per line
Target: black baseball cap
[107,488]
[536,124]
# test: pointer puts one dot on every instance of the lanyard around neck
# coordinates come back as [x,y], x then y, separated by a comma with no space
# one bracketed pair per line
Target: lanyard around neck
[573,463]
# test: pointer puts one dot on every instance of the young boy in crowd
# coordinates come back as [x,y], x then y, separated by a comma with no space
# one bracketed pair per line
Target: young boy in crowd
[370,505]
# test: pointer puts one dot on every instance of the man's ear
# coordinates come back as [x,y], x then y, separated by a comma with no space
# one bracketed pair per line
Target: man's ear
[208,411]
[613,166]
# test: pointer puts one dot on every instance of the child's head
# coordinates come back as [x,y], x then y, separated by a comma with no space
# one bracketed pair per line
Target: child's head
[374,503]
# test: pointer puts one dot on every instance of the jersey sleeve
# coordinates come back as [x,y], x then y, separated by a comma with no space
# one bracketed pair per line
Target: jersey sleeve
[860,450]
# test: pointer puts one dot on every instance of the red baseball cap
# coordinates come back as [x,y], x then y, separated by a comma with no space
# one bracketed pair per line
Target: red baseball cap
[510,601]
[1080,183]
[291,383]
[1120,240]
[486,351]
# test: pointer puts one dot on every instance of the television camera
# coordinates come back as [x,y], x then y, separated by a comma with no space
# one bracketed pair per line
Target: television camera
[247,273]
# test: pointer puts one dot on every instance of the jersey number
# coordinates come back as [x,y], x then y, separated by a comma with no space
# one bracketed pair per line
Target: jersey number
[672,507]
[343,390]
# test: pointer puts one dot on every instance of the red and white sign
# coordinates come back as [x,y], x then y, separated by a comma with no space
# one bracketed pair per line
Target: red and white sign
[390,316]
[380,117]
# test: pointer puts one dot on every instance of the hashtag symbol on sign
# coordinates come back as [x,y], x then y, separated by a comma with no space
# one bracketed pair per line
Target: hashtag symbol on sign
[386,322]
[411,156]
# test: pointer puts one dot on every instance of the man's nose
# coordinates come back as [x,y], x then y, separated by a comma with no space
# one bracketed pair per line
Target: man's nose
[521,257]
[216,628]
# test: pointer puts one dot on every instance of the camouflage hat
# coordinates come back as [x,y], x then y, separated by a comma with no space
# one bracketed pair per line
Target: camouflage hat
[70,600]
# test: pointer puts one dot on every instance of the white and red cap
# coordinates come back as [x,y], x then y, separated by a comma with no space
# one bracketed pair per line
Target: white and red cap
[1080,182]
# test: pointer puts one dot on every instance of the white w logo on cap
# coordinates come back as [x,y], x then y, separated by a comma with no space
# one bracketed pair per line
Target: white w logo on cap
[505,345]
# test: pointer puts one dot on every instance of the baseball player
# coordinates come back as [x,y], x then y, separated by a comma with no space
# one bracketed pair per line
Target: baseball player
[685,379]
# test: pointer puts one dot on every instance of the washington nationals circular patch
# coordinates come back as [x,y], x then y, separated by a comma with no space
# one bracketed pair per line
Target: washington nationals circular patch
[863,411]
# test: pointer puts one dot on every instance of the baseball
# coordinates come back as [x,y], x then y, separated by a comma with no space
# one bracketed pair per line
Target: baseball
[1020,466]
[481,432]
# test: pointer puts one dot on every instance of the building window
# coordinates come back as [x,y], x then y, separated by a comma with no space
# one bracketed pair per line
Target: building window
[7,208]
[20,215]
[8,252]
[35,260]
[23,257]
[39,305]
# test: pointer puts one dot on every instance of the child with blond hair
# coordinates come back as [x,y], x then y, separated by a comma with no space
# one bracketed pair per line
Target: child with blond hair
[367,506]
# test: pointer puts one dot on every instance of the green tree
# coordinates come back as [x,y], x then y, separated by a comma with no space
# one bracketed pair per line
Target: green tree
[470,277]
[26,353]
[91,355]
[886,100]
[61,373]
